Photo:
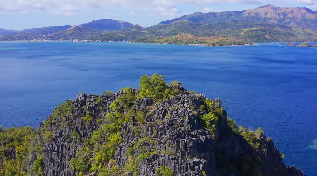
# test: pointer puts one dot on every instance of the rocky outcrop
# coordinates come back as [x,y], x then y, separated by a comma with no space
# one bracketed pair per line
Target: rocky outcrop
[290,44]
[306,45]
[185,134]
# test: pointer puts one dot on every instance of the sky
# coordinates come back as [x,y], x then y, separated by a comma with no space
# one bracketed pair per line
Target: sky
[25,14]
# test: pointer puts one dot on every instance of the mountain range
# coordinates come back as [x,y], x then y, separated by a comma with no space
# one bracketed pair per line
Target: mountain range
[295,16]
[263,24]
[103,25]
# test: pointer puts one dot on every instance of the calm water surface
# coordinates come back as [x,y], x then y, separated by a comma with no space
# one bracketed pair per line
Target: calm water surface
[271,86]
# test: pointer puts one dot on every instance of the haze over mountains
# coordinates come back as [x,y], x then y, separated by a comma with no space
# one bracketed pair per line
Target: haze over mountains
[266,23]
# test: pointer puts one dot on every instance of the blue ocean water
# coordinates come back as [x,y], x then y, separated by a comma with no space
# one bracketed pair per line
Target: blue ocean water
[268,85]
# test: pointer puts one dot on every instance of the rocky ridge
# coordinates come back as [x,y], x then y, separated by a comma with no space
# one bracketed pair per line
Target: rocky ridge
[160,129]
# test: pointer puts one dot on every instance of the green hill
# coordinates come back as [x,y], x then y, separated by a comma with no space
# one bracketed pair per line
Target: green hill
[187,39]
[107,25]
[75,32]
[20,36]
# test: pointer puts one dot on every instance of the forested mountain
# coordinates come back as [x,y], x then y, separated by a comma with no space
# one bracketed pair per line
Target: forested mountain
[296,16]
[46,30]
[263,24]
[107,25]
[254,32]
[7,32]
[20,36]
[75,32]
[103,25]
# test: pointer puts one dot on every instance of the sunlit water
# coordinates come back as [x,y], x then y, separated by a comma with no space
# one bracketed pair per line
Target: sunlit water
[268,85]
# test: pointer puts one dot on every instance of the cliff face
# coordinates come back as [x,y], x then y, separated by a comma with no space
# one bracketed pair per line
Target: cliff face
[135,132]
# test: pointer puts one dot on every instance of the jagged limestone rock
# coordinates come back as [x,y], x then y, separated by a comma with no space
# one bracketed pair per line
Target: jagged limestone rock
[125,134]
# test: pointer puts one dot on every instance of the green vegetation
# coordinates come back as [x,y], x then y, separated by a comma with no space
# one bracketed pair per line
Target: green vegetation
[164,171]
[64,109]
[187,39]
[76,32]
[20,36]
[155,87]
[15,144]
[38,167]
[106,139]
[108,92]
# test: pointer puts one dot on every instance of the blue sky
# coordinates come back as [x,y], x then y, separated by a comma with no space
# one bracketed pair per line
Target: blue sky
[23,14]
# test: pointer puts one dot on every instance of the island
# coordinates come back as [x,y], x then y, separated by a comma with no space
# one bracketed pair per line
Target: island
[189,39]
[159,128]
[304,45]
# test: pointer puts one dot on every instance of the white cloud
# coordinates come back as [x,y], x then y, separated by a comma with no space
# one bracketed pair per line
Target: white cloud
[110,15]
[133,14]
[206,10]
[308,2]
[154,7]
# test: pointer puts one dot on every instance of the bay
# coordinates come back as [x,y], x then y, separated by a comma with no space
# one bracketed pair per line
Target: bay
[268,86]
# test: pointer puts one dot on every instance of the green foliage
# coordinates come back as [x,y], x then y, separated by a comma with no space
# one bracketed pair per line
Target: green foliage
[48,136]
[187,39]
[176,83]
[15,144]
[132,166]
[213,117]
[99,99]
[140,117]
[155,87]
[204,173]
[128,99]
[87,119]
[164,171]
[64,109]
[75,135]
[210,121]
[80,165]
[108,92]
[38,166]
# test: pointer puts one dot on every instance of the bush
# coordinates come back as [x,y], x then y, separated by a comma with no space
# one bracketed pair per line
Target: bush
[38,166]
[155,87]
[48,136]
[164,171]
[64,109]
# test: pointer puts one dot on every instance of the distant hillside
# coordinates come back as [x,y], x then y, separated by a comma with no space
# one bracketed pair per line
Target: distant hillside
[7,32]
[303,17]
[102,25]
[46,30]
[107,25]
[253,32]
[75,32]
[187,39]
[20,36]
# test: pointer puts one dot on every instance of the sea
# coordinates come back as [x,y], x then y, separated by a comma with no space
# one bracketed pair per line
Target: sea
[267,85]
